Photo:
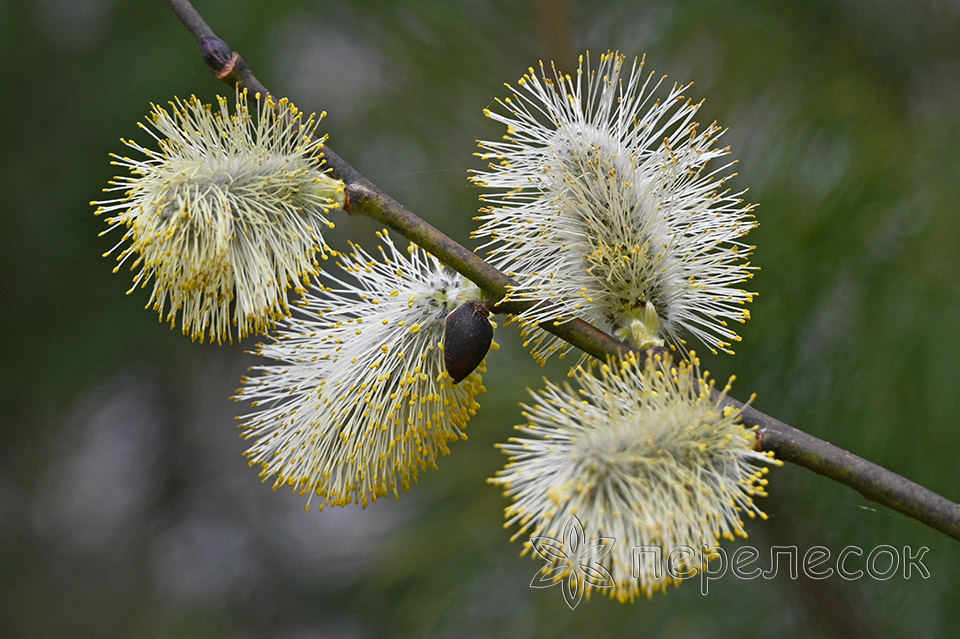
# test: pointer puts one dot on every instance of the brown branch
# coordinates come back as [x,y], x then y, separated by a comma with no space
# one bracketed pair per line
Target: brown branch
[874,482]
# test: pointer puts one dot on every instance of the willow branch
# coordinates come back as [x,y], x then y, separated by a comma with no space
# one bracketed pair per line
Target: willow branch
[874,482]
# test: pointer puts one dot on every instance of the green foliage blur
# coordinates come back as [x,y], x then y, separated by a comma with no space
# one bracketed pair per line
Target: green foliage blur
[126,506]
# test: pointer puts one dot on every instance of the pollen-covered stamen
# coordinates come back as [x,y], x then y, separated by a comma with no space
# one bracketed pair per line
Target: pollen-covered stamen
[225,214]
[640,453]
[600,200]
[359,401]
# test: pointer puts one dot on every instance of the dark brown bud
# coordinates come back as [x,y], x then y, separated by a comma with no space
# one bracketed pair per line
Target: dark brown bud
[216,53]
[466,339]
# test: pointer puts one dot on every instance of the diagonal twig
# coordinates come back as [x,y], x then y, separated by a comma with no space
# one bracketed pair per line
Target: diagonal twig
[873,481]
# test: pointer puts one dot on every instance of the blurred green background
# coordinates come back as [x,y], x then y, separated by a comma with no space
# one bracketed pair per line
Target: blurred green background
[126,507]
